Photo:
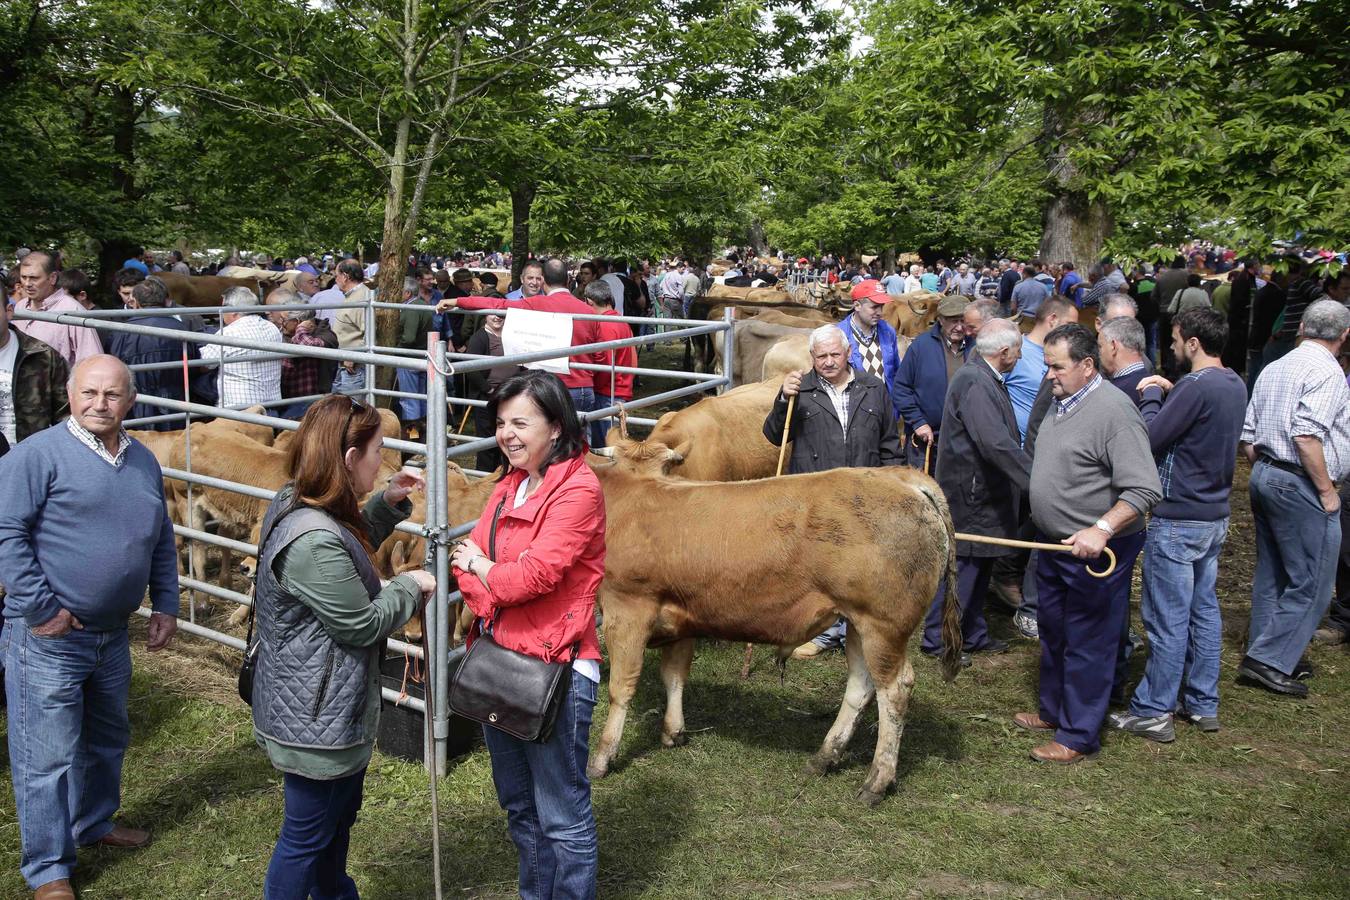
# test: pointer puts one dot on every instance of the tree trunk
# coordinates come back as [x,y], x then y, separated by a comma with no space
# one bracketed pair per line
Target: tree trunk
[522,198]
[887,260]
[115,250]
[393,255]
[1073,228]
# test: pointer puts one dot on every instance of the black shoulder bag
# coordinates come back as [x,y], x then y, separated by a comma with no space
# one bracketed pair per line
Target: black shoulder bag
[513,692]
[249,665]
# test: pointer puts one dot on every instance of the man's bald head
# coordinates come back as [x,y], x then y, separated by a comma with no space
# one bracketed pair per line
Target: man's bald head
[101,392]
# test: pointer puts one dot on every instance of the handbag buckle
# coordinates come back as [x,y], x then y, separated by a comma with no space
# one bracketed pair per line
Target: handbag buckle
[492,717]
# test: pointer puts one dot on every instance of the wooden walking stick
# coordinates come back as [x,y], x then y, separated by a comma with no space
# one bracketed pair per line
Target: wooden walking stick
[464,420]
[1035,545]
[927,454]
[782,454]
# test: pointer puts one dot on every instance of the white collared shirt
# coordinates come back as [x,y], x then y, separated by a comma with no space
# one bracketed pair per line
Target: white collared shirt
[90,440]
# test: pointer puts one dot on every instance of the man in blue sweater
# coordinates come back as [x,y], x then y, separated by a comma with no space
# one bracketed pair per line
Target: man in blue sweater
[1194,436]
[921,380]
[72,581]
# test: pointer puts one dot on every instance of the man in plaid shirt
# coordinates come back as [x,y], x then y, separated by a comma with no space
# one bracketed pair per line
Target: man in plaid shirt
[302,376]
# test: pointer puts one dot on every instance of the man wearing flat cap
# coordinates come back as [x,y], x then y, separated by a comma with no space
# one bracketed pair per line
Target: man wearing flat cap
[922,378]
[872,342]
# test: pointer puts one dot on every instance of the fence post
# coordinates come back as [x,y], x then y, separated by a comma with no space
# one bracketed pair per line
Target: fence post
[438,625]
[370,347]
[728,348]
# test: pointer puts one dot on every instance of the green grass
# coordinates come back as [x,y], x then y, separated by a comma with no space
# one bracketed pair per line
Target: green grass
[1257,810]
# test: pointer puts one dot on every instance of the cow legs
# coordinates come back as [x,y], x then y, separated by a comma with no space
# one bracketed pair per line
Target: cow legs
[675,661]
[857,694]
[626,636]
[894,677]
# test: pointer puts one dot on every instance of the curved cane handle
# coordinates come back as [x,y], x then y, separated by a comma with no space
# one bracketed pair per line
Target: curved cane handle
[1110,564]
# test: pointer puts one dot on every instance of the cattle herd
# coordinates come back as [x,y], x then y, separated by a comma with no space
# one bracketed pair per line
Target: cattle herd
[825,544]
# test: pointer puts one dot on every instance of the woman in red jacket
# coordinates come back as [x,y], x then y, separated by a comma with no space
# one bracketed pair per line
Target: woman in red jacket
[538,597]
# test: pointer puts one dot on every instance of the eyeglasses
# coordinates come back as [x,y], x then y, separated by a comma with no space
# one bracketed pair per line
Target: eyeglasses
[356,405]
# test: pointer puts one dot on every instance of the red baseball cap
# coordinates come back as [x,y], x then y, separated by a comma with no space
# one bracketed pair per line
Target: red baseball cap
[870,289]
[804,261]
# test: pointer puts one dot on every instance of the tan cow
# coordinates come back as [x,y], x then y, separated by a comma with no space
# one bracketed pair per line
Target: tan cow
[201,290]
[774,562]
[720,438]
[790,354]
[912,314]
[752,339]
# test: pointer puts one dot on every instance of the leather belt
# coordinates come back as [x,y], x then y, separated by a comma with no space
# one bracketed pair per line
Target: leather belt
[1295,468]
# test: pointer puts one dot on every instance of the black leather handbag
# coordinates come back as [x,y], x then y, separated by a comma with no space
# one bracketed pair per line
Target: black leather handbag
[515,693]
[250,662]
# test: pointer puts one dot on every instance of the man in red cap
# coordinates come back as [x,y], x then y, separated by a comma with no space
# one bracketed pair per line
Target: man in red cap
[873,346]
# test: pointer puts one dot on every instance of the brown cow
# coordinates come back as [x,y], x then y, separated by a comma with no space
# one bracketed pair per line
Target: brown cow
[201,290]
[774,562]
[720,438]
[752,340]
[790,354]
[912,314]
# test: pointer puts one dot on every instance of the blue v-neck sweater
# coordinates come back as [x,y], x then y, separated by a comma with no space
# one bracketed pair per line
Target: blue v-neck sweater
[80,534]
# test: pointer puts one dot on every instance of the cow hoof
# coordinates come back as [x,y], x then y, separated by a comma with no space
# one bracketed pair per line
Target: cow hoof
[679,739]
[870,798]
[819,766]
[597,770]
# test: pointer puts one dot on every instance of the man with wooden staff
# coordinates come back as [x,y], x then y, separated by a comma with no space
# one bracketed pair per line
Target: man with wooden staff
[841,417]
[1093,481]
[985,473]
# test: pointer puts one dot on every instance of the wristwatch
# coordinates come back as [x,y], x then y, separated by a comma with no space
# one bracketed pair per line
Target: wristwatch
[1104,526]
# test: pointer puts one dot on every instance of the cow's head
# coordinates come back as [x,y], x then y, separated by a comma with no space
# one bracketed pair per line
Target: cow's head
[651,458]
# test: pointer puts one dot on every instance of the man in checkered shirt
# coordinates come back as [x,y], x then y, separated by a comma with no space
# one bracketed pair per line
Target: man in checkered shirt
[1297,437]
[243,384]
[872,343]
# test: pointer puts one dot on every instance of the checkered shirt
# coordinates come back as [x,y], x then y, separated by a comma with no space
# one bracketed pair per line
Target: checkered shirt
[88,438]
[839,397]
[300,374]
[1130,370]
[1070,402]
[1302,393]
[244,384]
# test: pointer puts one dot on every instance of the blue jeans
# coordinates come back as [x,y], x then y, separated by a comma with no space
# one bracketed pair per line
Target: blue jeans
[1296,548]
[350,382]
[600,427]
[547,798]
[295,411]
[413,382]
[68,732]
[310,859]
[583,399]
[1181,617]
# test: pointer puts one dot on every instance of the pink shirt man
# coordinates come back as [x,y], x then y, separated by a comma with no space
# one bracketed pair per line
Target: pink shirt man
[73,342]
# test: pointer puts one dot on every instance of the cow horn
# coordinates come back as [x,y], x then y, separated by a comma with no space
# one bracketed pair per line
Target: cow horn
[623,422]
[675,456]
[607,452]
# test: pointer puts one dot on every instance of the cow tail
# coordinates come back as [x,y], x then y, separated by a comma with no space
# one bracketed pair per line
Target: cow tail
[951,606]
[951,609]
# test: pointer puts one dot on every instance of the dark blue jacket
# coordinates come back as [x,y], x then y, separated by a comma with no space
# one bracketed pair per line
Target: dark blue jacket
[134,349]
[890,356]
[921,382]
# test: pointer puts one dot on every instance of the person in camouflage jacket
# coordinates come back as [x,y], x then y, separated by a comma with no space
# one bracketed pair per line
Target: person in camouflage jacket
[39,383]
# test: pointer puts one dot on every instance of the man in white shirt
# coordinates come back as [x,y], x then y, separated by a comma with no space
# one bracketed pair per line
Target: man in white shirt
[242,384]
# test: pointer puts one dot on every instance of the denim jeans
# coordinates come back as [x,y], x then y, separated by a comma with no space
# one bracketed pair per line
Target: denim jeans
[1181,617]
[547,798]
[584,400]
[410,410]
[600,427]
[1296,548]
[310,858]
[68,732]
[346,382]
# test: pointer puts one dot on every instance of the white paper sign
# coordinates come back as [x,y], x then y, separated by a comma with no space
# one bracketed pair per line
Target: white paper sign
[529,331]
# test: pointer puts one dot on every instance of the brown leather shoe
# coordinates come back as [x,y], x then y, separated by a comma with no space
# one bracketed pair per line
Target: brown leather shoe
[124,838]
[1055,752]
[55,890]
[1032,722]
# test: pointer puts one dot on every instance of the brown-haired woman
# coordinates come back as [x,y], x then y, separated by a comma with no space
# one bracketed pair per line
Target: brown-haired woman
[322,617]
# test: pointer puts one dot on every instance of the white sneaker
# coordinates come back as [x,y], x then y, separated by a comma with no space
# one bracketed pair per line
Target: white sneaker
[1026,626]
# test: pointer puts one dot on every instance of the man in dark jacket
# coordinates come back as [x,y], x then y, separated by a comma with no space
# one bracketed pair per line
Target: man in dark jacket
[921,381]
[984,472]
[32,384]
[135,349]
[841,417]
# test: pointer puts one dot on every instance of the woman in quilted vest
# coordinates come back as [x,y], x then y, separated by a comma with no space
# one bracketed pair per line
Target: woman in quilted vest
[537,594]
[322,618]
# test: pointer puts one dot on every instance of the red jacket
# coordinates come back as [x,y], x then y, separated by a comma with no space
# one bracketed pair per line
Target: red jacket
[551,557]
[624,356]
[584,331]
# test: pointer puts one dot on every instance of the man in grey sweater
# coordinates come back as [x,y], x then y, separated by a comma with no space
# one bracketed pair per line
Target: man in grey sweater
[1093,481]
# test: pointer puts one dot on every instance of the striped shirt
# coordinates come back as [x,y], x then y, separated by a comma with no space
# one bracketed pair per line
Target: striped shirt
[1069,402]
[243,384]
[1303,393]
[1130,370]
[839,397]
[93,442]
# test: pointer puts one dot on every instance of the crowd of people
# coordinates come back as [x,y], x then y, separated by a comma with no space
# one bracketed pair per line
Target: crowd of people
[1032,424]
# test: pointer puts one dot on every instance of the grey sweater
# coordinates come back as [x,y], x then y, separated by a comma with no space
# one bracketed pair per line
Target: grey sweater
[1086,460]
